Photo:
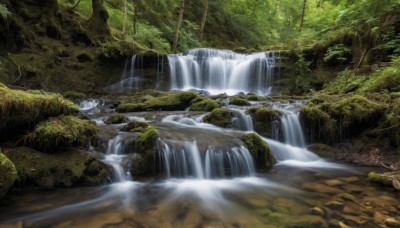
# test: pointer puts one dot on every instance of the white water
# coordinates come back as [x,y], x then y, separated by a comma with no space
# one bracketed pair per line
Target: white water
[241,120]
[88,104]
[115,157]
[222,71]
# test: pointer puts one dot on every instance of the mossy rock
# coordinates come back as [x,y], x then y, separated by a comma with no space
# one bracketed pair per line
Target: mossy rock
[143,162]
[239,101]
[220,117]
[259,150]
[63,169]
[63,131]
[22,110]
[136,126]
[74,96]
[391,179]
[206,105]
[333,118]
[163,101]
[263,118]
[8,174]
[116,119]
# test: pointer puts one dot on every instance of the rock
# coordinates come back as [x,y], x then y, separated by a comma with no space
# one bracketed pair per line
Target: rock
[63,131]
[239,101]
[259,150]
[334,205]
[145,152]
[136,126]
[390,179]
[358,220]
[334,183]
[317,187]
[116,119]
[206,105]
[263,118]
[8,174]
[391,222]
[396,184]
[379,217]
[346,197]
[308,221]
[220,117]
[317,211]
[64,168]
[343,225]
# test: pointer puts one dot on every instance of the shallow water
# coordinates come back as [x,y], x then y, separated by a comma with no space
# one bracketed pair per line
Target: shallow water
[284,196]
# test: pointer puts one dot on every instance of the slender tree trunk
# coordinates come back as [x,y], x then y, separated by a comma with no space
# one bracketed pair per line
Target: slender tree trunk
[178,26]
[203,21]
[125,17]
[135,18]
[99,18]
[303,13]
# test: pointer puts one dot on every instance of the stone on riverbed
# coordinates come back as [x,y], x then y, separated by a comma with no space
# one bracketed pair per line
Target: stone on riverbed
[391,179]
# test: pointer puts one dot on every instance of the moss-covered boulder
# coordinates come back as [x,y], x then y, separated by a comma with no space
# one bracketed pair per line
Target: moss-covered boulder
[62,131]
[136,126]
[336,118]
[73,95]
[220,117]
[259,150]
[65,168]
[206,105]
[8,174]
[239,101]
[263,119]
[391,179]
[116,119]
[143,162]
[160,101]
[23,109]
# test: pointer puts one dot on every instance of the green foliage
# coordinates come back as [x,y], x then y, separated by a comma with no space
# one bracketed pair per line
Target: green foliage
[338,53]
[303,65]
[347,81]
[151,37]
[392,41]
[385,79]
[4,13]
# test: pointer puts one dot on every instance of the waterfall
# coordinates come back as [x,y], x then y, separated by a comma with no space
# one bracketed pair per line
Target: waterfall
[241,121]
[292,130]
[222,71]
[116,156]
[185,159]
[88,104]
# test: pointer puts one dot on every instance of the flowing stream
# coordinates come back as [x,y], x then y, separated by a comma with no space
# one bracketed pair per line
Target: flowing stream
[207,176]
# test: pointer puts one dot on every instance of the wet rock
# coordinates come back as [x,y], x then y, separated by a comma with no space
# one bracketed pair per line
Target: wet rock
[379,217]
[239,101]
[317,187]
[263,118]
[391,222]
[391,179]
[102,220]
[220,117]
[259,150]
[334,183]
[116,119]
[8,174]
[308,221]
[145,152]
[356,220]
[204,104]
[317,211]
[343,225]
[346,197]
[334,205]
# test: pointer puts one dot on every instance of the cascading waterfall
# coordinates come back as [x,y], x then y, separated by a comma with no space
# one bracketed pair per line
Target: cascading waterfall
[222,71]
[241,120]
[116,155]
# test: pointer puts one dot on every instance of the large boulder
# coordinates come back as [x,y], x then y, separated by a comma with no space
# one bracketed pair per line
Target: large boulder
[66,168]
[143,161]
[263,118]
[204,104]
[259,150]
[8,174]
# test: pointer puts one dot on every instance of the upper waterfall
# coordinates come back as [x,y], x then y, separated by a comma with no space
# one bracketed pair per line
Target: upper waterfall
[222,71]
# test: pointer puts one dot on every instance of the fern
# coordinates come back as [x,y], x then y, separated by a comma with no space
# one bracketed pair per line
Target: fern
[4,11]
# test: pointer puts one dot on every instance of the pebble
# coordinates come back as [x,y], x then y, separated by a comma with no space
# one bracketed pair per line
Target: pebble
[317,211]
[391,222]
[335,205]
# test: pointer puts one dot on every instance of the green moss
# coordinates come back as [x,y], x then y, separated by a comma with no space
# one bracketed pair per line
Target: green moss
[259,150]
[8,174]
[66,168]
[263,118]
[220,117]
[206,105]
[332,118]
[387,78]
[74,96]
[136,126]
[164,101]
[145,149]
[22,110]
[63,131]
[239,101]
[116,119]
[147,141]
[346,82]
[379,178]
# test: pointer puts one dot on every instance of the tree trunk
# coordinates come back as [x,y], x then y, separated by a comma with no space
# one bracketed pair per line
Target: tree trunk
[203,21]
[178,26]
[303,13]
[98,20]
[125,17]
[135,16]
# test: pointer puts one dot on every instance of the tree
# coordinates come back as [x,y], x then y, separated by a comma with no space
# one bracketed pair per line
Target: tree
[303,12]
[98,21]
[178,25]
[125,17]
[203,21]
